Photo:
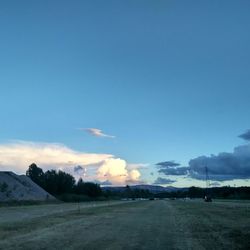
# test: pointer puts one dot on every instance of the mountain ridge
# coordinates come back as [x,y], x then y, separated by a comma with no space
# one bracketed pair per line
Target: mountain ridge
[151,188]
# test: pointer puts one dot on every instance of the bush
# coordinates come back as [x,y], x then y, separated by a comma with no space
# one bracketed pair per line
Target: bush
[3,187]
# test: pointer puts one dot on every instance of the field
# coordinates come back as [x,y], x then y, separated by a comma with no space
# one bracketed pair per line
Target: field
[159,224]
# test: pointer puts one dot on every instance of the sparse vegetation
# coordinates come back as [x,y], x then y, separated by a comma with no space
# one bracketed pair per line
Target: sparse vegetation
[159,224]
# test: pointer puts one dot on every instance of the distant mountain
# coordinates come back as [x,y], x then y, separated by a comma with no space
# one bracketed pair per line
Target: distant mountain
[151,188]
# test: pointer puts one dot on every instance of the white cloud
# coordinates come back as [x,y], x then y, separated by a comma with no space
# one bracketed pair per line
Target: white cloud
[96,132]
[18,155]
[134,175]
[138,165]
[116,171]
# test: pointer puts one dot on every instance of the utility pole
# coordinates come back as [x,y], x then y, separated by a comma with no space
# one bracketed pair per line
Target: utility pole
[207,195]
[207,179]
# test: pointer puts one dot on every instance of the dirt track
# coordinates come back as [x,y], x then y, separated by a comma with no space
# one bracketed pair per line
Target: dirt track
[135,225]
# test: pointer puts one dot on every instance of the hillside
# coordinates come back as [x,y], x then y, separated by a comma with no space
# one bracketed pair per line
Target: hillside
[20,188]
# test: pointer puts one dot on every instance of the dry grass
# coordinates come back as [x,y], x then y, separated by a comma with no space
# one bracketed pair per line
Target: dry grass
[132,225]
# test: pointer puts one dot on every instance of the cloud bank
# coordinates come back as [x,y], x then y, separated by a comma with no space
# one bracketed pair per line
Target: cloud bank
[221,167]
[18,155]
[224,166]
[21,154]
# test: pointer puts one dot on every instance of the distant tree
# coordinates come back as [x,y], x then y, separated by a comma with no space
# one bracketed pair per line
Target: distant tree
[65,182]
[92,189]
[51,186]
[88,188]
[79,187]
[196,192]
[58,183]
[36,174]
[128,191]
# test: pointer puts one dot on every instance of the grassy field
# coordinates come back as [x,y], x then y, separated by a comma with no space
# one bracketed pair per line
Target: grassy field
[153,225]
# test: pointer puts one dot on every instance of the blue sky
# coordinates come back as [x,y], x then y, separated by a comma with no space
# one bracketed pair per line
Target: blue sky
[169,79]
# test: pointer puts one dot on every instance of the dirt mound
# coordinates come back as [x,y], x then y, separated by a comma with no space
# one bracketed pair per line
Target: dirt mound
[20,188]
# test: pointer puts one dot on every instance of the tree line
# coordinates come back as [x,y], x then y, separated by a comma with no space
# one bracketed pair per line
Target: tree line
[63,185]
[128,192]
[225,192]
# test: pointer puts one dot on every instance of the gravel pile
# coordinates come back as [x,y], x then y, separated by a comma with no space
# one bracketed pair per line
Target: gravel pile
[20,188]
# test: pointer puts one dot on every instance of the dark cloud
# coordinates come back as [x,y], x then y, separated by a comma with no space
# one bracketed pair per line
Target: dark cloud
[221,167]
[78,169]
[246,135]
[171,168]
[167,164]
[224,166]
[162,181]
[174,171]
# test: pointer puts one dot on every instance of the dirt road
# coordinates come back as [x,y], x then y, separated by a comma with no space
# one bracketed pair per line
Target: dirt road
[135,225]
